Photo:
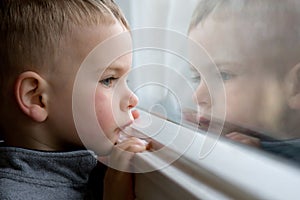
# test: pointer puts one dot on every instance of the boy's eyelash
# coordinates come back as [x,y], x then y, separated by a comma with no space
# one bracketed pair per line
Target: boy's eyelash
[196,79]
[224,75]
[108,82]
[227,76]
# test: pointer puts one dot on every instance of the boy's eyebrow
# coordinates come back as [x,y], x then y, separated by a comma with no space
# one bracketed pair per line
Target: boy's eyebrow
[222,63]
[115,67]
[217,64]
[232,65]
[193,68]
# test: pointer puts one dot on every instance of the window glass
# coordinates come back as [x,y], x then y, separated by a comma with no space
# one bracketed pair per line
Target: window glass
[231,68]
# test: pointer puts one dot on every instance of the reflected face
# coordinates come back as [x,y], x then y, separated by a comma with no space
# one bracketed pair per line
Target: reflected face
[254,92]
[113,99]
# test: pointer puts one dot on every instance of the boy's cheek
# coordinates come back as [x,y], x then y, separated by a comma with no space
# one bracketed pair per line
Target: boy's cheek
[105,117]
[103,107]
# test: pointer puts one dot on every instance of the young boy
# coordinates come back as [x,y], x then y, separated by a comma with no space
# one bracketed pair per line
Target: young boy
[255,45]
[43,43]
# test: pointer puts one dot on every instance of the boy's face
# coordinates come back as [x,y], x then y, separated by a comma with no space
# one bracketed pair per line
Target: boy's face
[113,99]
[245,54]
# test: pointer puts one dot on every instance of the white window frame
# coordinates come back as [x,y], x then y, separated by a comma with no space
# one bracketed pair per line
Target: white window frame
[230,171]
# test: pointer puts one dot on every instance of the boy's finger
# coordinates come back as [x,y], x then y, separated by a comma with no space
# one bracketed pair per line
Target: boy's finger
[245,139]
[234,135]
[136,148]
[128,140]
[133,145]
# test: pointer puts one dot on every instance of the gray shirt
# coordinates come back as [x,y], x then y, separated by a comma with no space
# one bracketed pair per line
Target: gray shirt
[29,174]
[289,149]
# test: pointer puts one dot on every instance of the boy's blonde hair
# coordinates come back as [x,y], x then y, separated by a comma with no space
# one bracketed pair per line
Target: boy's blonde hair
[202,10]
[274,20]
[31,31]
[207,7]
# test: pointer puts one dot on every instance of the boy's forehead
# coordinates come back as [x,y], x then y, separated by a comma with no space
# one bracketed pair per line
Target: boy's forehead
[82,41]
[255,10]
[122,62]
[265,31]
[120,65]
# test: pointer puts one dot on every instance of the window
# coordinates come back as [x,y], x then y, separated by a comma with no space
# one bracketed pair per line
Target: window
[218,97]
[230,171]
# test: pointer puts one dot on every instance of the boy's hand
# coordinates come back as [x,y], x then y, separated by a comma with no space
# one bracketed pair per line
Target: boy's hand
[245,139]
[119,184]
[124,151]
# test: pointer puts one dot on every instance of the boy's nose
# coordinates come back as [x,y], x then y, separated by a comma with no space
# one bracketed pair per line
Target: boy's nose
[201,95]
[133,100]
[130,101]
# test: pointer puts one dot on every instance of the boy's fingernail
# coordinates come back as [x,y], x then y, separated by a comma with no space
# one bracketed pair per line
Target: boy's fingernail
[144,142]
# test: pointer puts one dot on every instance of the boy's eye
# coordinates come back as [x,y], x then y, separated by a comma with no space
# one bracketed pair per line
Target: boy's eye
[196,79]
[226,76]
[108,82]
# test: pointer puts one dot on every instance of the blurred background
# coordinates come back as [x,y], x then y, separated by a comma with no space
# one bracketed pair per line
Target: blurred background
[160,77]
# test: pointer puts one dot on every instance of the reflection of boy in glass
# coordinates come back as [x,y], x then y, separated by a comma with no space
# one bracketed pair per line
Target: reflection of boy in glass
[255,45]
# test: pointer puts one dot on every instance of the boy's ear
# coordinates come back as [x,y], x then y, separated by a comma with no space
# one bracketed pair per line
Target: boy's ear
[293,87]
[31,95]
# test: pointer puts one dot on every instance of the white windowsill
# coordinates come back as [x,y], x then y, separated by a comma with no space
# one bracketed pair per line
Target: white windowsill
[229,171]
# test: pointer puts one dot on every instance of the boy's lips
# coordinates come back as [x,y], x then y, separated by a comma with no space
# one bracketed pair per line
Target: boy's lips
[203,122]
